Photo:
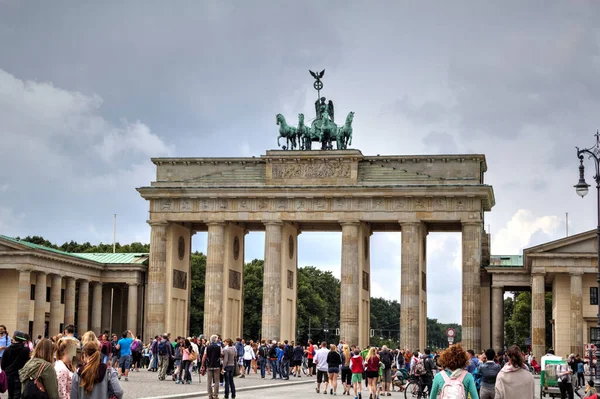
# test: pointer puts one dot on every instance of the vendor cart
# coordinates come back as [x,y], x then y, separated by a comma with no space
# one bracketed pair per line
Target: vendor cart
[549,377]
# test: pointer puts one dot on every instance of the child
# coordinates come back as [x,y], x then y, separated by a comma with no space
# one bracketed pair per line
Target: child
[357,367]
[590,391]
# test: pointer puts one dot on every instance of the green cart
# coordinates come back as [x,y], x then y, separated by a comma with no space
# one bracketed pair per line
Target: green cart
[549,378]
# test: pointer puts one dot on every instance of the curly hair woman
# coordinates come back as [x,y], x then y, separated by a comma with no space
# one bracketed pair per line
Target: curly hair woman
[94,379]
[454,360]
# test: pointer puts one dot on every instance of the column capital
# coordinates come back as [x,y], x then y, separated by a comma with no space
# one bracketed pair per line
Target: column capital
[272,222]
[133,284]
[24,269]
[220,223]
[498,285]
[472,223]
[40,271]
[409,223]
[353,222]
[83,280]
[157,223]
[538,272]
[575,273]
[97,283]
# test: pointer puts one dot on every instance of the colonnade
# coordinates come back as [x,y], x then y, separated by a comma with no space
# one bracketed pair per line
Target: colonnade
[280,280]
[58,314]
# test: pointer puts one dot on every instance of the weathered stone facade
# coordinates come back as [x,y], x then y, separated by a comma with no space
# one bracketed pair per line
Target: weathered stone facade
[286,192]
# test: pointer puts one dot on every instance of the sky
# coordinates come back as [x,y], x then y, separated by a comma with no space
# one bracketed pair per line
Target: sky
[89,91]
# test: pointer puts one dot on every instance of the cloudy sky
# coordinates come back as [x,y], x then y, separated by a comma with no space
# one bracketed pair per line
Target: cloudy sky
[89,91]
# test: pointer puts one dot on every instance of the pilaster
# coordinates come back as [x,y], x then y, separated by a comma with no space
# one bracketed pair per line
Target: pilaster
[497,317]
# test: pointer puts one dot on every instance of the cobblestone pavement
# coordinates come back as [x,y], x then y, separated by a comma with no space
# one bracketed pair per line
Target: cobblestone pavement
[145,384]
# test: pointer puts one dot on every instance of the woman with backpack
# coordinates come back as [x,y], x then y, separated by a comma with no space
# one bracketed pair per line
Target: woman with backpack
[514,381]
[38,374]
[453,382]
[94,379]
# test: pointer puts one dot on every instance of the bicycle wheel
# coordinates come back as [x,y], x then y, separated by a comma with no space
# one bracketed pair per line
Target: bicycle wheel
[305,366]
[413,391]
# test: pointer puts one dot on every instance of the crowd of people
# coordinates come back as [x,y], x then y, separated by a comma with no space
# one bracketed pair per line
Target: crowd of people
[65,367]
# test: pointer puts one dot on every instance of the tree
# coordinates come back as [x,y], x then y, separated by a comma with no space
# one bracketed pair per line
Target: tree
[253,295]
[197,294]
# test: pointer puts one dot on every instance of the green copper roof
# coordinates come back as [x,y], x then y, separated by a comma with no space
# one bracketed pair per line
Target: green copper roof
[110,258]
[506,261]
[43,248]
[104,258]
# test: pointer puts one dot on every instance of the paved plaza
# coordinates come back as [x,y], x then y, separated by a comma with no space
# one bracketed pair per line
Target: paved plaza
[144,385]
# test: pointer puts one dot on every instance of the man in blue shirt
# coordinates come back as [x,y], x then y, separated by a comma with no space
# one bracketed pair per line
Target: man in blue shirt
[4,340]
[473,361]
[124,347]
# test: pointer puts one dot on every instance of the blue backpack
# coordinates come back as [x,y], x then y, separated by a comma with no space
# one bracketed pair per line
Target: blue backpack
[580,368]
[162,348]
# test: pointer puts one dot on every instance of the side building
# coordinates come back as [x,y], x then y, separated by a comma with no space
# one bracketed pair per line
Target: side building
[567,268]
[43,289]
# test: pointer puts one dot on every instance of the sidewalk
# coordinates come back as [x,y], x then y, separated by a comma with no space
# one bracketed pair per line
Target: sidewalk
[145,385]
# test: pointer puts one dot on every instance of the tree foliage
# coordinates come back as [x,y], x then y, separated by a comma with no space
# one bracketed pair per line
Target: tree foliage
[517,320]
[75,247]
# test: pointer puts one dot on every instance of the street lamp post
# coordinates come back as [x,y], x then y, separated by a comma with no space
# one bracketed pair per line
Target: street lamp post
[582,188]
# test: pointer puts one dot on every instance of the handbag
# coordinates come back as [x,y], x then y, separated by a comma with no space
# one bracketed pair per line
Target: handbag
[192,356]
[34,389]
[110,390]
[3,382]
[236,370]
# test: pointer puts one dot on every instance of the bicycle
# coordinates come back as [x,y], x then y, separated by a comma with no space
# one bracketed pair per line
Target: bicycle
[305,364]
[414,389]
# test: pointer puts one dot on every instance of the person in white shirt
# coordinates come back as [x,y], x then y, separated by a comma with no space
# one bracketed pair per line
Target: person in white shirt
[321,362]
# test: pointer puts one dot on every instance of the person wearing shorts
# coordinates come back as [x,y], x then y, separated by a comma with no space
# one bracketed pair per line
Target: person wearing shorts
[310,355]
[322,366]
[357,367]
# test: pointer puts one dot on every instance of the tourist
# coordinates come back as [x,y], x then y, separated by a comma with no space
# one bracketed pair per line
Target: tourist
[229,365]
[473,361]
[357,367]
[427,378]
[286,357]
[590,391]
[515,382]
[13,360]
[184,370]
[310,354]
[115,351]
[346,371]
[273,358]
[372,371]
[239,350]
[211,364]
[105,348]
[387,358]
[94,379]
[137,347]
[39,368]
[177,353]
[320,360]
[165,352]
[154,352]
[64,369]
[89,336]
[454,360]
[4,340]
[333,368]
[263,355]
[124,347]
[248,357]
[297,357]
[488,372]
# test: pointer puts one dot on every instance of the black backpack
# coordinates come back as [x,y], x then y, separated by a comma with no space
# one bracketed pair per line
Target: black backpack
[386,359]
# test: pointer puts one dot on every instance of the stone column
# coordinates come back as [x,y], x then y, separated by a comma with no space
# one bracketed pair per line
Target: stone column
[538,315]
[349,287]
[70,301]
[471,286]
[55,314]
[23,299]
[39,310]
[409,286]
[271,308]
[83,308]
[97,308]
[132,307]
[157,280]
[498,317]
[106,310]
[576,312]
[213,292]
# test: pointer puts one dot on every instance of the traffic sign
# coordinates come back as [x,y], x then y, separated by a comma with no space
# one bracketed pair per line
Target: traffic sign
[451,332]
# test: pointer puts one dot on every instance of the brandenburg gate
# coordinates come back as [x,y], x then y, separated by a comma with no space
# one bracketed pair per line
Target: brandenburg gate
[286,192]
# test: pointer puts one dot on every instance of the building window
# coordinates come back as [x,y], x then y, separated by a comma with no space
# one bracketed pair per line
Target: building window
[594,334]
[47,294]
[32,292]
[62,297]
[423,281]
[593,295]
